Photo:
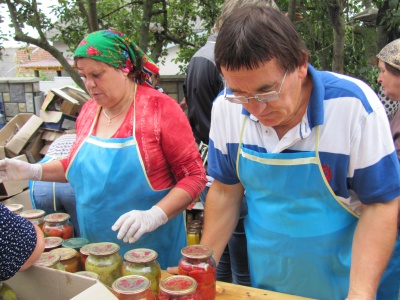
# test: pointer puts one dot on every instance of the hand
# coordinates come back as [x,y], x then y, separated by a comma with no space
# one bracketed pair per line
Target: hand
[135,223]
[14,169]
[172,270]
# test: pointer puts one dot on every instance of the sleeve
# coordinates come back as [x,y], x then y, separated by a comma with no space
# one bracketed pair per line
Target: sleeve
[180,150]
[17,242]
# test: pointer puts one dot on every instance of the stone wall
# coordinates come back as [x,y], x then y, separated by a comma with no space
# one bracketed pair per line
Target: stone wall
[19,95]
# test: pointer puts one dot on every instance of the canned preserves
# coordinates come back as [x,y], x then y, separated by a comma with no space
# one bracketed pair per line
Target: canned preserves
[51,243]
[77,244]
[50,260]
[36,216]
[178,287]
[58,224]
[15,208]
[84,254]
[133,287]
[88,274]
[69,259]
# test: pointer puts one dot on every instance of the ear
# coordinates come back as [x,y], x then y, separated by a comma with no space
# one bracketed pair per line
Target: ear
[302,70]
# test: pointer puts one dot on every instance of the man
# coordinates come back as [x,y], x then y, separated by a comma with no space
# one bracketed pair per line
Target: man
[314,153]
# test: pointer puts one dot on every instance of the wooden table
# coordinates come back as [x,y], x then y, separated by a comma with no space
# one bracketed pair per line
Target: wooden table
[229,291]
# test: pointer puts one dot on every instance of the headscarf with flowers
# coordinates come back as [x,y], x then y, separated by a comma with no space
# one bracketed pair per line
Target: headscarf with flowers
[116,49]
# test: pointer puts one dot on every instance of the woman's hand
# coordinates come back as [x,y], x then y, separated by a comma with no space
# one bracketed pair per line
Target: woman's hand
[14,169]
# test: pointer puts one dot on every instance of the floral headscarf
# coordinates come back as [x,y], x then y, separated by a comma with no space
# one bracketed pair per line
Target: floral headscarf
[117,50]
[390,54]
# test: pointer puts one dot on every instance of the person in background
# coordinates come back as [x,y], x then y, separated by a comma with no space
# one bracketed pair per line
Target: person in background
[55,197]
[389,78]
[314,154]
[132,170]
[21,243]
[202,85]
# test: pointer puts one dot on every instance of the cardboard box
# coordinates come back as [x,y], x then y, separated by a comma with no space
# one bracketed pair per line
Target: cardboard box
[22,198]
[11,188]
[67,100]
[57,120]
[39,283]
[17,132]
[32,149]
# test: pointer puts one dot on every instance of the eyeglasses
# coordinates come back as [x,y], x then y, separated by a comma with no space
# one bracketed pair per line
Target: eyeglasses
[265,97]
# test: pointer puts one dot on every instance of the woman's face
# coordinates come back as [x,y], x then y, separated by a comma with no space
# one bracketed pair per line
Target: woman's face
[390,83]
[105,84]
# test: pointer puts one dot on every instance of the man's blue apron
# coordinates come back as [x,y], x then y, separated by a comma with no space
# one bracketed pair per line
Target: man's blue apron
[109,179]
[299,236]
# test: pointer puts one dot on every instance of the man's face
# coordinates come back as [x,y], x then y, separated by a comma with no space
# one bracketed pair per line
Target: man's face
[288,109]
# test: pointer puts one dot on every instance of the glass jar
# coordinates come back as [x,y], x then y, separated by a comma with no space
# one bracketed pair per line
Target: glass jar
[133,287]
[69,258]
[198,263]
[77,244]
[6,293]
[50,260]
[193,236]
[88,274]
[15,208]
[36,216]
[143,262]
[178,287]
[51,243]
[104,260]
[58,224]
[84,254]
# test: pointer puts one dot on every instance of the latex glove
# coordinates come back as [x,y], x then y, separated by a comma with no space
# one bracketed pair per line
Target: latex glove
[14,169]
[132,225]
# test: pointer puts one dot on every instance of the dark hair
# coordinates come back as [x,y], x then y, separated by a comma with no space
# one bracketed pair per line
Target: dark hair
[392,70]
[254,35]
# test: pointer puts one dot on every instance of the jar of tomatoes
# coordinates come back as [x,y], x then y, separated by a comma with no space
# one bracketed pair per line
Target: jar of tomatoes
[77,244]
[105,261]
[51,243]
[58,224]
[36,216]
[143,262]
[15,207]
[178,287]
[198,263]
[133,287]
[50,260]
[69,258]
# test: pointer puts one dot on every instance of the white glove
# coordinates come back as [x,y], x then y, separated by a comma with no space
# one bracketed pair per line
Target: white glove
[132,225]
[14,169]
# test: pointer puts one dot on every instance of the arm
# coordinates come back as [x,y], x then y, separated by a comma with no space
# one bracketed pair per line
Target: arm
[372,246]
[221,215]
[38,249]
[53,171]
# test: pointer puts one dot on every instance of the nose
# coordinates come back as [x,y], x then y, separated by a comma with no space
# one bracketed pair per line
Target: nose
[256,107]
[379,77]
[89,84]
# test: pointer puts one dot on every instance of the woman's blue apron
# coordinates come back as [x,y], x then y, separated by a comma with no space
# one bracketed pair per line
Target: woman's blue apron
[299,235]
[109,179]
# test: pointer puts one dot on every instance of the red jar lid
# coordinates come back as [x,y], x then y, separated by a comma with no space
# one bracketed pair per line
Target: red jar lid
[131,284]
[52,242]
[32,213]
[196,251]
[64,253]
[47,259]
[105,248]
[56,217]
[140,255]
[178,285]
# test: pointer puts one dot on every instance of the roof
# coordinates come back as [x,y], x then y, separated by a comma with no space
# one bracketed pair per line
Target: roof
[46,64]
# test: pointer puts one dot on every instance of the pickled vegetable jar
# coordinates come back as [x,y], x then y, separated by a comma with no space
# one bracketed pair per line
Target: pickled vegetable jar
[105,261]
[51,243]
[58,224]
[69,258]
[193,236]
[143,262]
[6,293]
[178,287]
[84,254]
[15,208]
[50,260]
[198,263]
[36,216]
[133,287]
[77,244]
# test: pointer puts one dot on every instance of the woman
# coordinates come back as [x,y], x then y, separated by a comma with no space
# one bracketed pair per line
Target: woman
[134,165]
[389,78]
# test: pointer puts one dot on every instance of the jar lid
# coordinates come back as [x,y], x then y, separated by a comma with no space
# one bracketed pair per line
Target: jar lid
[104,248]
[14,207]
[193,230]
[195,222]
[140,255]
[194,226]
[178,285]
[85,249]
[47,259]
[89,274]
[65,253]
[32,213]
[131,284]
[52,242]
[196,251]
[56,217]
[75,243]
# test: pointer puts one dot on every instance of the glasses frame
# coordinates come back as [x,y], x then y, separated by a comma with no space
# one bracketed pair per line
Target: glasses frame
[257,97]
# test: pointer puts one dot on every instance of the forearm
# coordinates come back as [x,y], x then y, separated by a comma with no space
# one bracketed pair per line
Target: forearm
[373,243]
[176,201]
[53,171]
[221,214]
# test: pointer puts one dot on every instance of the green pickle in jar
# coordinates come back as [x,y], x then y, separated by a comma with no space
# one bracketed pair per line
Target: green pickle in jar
[105,261]
[6,293]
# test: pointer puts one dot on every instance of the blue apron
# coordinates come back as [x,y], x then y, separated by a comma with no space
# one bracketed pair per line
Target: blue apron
[299,235]
[109,179]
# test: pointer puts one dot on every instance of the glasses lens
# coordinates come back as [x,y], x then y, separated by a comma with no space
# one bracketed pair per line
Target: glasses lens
[236,99]
[267,97]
